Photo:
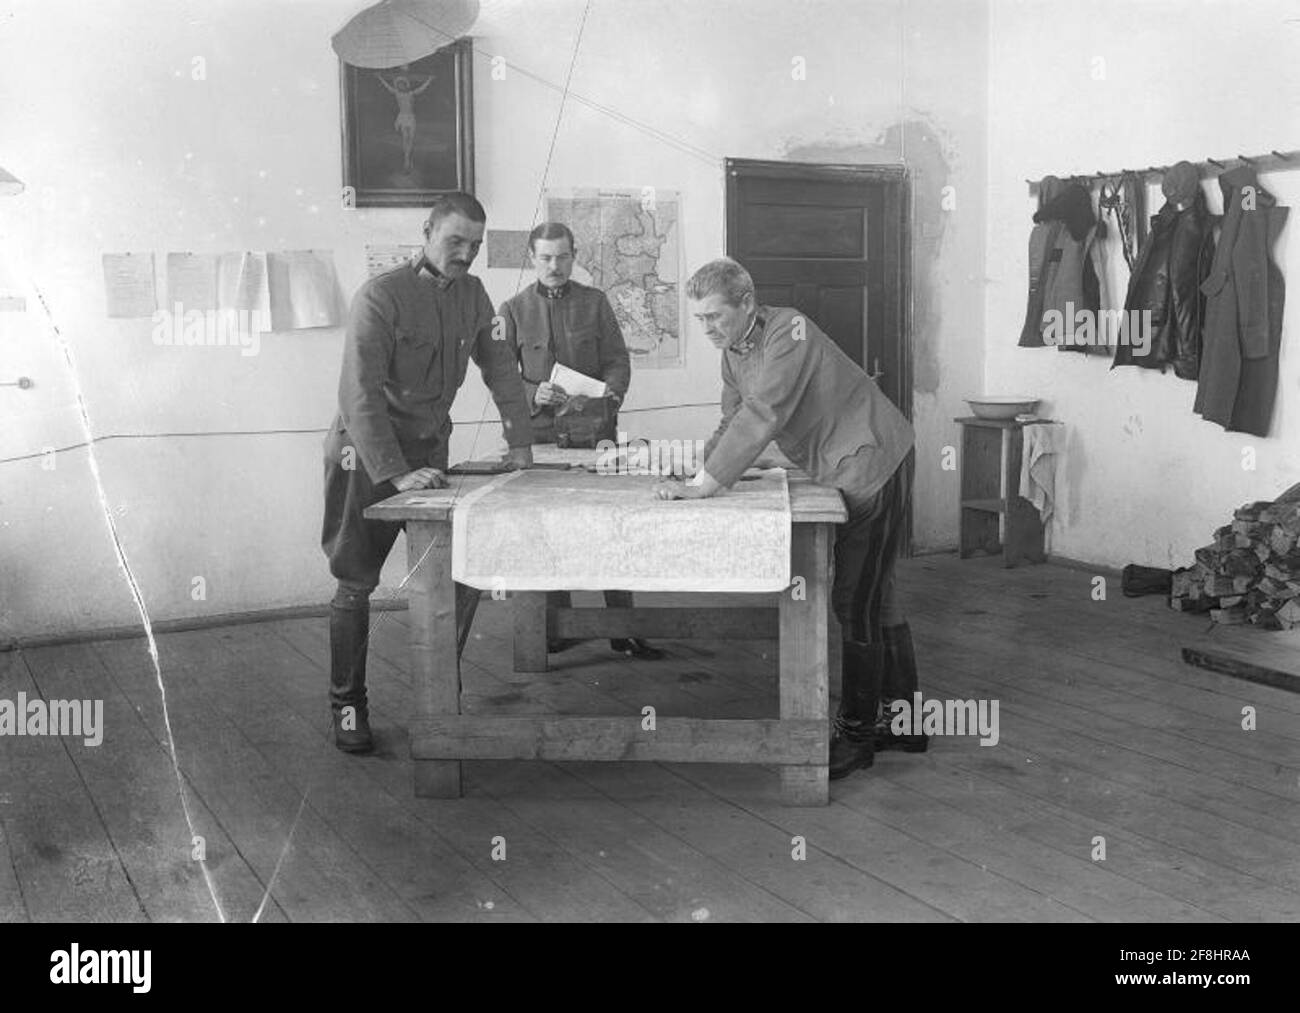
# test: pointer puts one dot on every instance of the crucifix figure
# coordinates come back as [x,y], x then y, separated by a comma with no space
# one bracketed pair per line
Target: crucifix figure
[404,89]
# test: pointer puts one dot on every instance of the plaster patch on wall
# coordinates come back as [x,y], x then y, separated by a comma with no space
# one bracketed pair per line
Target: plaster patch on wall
[928,164]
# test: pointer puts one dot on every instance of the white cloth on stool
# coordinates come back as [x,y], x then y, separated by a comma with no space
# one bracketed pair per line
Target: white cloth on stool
[1042,445]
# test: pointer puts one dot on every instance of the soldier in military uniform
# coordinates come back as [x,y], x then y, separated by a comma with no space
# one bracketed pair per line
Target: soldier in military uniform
[783,379]
[561,320]
[410,335]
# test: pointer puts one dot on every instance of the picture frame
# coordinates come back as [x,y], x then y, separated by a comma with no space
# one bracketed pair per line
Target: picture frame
[408,131]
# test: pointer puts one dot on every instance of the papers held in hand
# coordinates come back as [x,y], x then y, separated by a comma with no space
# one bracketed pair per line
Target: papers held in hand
[576,384]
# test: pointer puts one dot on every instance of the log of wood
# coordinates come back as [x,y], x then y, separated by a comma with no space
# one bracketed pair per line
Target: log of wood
[1289,614]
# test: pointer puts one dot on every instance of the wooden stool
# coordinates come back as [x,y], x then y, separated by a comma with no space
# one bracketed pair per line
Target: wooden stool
[991,452]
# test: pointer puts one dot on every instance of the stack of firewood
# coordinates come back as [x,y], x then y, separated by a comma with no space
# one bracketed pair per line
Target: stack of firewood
[1251,572]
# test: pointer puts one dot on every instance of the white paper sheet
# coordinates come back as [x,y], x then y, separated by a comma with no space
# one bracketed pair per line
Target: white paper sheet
[242,283]
[129,285]
[576,384]
[384,258]
[303,290]
[192,281]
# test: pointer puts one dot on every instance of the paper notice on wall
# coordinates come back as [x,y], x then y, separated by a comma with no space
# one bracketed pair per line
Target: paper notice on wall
[192,281]
[304,290]
[508,249]
[129,285]
[384,258]
[243,283]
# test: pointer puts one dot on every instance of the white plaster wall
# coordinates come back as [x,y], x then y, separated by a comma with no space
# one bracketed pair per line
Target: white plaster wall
[123,150]
[1144,480]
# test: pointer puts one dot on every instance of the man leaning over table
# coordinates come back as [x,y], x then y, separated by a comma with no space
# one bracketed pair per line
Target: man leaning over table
[410,335]
[783,379]
[559,320]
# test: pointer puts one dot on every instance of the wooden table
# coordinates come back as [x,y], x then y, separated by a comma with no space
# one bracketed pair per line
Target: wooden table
[441,612]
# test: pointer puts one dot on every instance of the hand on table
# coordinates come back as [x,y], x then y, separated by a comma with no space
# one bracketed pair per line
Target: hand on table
[421,478]
[518,458]
[669,489]
[550,394]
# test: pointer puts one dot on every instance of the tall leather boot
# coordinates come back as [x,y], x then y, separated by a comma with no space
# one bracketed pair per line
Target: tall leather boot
[349,632]
[899,683]
[853,734]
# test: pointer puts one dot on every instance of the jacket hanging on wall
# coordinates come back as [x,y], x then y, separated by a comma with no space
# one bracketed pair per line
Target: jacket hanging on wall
[1058,259]
[1125,201]
[1164,299]
[1243,312]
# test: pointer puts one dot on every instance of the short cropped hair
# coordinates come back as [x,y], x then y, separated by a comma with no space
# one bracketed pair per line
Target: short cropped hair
[551,230]
[454,203]
[723,276]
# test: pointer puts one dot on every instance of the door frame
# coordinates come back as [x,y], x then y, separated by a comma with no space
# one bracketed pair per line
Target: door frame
[896,241]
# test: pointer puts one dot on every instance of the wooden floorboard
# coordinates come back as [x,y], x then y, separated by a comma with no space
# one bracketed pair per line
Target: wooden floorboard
[131,776]
[1104,733]
[66,865]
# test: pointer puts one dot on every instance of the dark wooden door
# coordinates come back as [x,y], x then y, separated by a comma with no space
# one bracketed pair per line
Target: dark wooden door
[829,241]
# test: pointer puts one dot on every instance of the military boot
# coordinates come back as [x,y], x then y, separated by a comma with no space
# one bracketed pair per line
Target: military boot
[853,732]
[899,683]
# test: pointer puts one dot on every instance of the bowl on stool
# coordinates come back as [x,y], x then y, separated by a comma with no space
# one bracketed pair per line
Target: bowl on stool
[1002,406]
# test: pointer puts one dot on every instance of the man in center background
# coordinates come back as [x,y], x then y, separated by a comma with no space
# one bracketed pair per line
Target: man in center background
[559,320]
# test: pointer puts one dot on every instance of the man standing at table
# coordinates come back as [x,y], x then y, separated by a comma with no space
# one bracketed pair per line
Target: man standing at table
[785,380]
[561,320]
[410,336]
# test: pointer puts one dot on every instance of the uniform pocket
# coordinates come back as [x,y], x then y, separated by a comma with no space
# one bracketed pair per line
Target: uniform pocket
[413,354]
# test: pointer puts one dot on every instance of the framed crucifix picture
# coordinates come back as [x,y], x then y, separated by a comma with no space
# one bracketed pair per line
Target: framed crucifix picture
[408,132]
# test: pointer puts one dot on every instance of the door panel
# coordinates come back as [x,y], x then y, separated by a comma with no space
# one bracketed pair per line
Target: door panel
[827,240]
[789,231]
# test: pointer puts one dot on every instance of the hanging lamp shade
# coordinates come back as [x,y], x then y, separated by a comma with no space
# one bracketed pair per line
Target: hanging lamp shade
[394,32]
[9,184]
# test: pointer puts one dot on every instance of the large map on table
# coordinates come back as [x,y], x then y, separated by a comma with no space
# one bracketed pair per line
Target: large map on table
[629,246]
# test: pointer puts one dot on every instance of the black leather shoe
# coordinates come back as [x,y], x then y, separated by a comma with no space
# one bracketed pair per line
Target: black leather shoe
[634,647]
[356,739]
[886,739]
[848,754]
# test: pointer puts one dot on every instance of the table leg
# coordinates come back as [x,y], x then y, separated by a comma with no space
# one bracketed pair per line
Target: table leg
[530,630]
[804,629]
[435,659]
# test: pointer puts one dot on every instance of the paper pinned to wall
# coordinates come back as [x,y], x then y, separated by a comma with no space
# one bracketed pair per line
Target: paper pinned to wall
[129,285]
[192,281]
[384,258]
[243,283]
[304,290]
[507,248]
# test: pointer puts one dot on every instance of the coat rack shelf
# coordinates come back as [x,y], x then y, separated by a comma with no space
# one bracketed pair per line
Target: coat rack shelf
[1274,161]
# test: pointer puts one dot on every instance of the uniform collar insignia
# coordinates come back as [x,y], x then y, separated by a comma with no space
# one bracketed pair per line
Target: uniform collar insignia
[426,270]
[745,343]
[559,292]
